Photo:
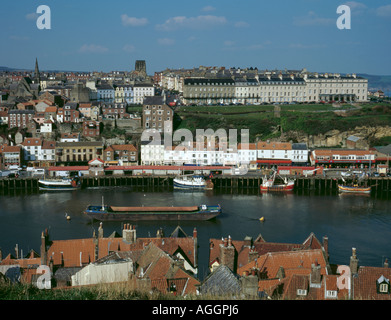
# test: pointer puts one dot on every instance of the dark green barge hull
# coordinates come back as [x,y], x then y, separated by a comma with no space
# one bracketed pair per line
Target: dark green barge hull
[100,213]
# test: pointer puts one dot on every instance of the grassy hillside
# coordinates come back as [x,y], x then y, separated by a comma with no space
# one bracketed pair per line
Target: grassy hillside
[264,123]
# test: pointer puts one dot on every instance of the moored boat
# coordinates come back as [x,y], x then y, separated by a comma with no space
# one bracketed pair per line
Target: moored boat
[354,186]
[269,184]
[113,213]
[192,182]
[354,189]
[59,184]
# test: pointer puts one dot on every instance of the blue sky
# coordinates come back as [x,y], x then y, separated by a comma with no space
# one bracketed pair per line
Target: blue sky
[111,35]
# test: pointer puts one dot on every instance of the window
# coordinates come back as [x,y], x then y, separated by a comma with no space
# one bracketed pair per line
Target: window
[331,294]
[301,292]
[383,288]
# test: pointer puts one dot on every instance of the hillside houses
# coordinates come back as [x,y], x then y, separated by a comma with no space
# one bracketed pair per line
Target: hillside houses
[169,264]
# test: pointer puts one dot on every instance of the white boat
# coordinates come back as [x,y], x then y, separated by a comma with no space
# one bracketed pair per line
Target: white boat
[269,184]
[192,182]
[59,184]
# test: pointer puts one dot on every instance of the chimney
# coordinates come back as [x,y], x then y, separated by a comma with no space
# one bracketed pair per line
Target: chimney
[315,276]
[385,263]
[43,250]
[353,262]
[228,254]
[281,273]
[252,255]
[100,231]
[129,234]
[195,233]
[248,242]
[17,251]
[326,246]
[160,233]
[249,283]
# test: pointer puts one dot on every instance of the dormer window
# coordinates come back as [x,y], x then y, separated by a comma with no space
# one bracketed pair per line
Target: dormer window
[331,293]
[301,292]
[383,285]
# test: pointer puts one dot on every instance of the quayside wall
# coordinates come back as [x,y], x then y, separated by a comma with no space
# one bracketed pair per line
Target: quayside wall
[380,184]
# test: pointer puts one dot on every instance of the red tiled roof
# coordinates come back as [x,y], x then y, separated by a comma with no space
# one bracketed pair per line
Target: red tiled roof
[274,145]
[249,146]
[364,284]
[72,253]
[32,142]
[328,152]
[11,149]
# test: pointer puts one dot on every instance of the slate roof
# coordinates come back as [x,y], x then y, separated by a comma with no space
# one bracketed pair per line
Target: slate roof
[154,100]
[222,281]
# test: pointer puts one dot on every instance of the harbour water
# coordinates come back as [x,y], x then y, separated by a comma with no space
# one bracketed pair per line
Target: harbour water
[359,221]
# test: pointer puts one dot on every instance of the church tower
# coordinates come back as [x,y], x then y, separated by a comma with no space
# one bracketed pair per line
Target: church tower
[37,77]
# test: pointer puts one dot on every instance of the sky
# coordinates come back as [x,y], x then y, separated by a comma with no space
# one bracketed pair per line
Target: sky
[111,35]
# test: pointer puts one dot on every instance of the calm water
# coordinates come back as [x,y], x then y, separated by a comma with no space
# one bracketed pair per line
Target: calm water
[363,222]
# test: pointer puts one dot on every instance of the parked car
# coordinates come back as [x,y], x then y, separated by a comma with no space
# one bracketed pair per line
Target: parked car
[13,175]
[375,174]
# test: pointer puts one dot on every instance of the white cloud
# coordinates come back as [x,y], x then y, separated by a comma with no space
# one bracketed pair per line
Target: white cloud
[166,41]
[355,5]
[200,22]
[384,11]
[19,38]
[32,16]
[312,19]
[241,24]
[229,43]
[132,21]
[307,46]
[208,8]
[92,48]
[129,48]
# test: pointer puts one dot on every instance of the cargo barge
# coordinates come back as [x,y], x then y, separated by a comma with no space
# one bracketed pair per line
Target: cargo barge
[113,213]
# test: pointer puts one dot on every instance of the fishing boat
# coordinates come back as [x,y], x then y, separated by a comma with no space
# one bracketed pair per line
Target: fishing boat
[192,182]
[113,213]
[59,184]
[355,186]
[354,189]
[269,184]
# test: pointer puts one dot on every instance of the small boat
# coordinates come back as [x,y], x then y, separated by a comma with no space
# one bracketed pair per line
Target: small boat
[59,184]
[354,186]
[112,213]
[192,182]
[354,189]
[269,184]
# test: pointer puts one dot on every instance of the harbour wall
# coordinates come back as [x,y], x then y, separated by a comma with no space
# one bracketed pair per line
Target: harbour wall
[320,183]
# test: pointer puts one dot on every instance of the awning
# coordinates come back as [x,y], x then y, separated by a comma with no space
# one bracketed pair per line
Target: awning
[274,161]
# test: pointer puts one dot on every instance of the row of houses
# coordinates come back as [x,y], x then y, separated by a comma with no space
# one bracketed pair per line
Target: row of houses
[45,111]
[207,85]
[69,150]
[253,155]
[36,152]
[246,268]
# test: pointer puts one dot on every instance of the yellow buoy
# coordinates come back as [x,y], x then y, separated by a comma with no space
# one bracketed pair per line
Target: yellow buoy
[262,219]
